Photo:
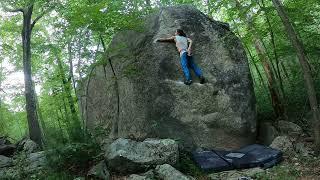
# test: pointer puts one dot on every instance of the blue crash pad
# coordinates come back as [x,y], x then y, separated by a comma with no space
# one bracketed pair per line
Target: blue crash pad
[247,157]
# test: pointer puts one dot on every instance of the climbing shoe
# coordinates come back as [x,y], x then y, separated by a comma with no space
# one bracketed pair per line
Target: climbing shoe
[188,82]
[202,80]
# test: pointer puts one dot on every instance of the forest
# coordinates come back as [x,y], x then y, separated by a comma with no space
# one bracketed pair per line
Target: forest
[48,48]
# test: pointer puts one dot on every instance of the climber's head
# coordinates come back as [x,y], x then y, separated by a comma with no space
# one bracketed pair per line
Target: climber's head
[179,32]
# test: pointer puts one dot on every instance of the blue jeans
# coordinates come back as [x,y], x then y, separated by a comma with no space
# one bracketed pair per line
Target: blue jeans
[186,63]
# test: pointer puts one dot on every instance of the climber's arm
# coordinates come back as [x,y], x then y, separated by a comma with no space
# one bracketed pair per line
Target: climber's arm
[190,45]
[170,39]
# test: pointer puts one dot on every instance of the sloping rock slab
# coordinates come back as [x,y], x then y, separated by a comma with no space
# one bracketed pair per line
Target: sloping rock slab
[126,156]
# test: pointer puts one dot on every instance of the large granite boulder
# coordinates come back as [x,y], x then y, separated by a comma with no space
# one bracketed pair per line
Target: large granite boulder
[137,92]
[127,156]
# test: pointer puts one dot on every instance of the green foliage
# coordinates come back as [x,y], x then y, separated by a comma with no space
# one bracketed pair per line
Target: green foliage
[187,166]
[73,158]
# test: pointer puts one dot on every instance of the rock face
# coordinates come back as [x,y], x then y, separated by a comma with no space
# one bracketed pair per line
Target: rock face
[137,92]
[127,156]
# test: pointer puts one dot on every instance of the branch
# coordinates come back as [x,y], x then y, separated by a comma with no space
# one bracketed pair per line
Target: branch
[11,10]
[40,16]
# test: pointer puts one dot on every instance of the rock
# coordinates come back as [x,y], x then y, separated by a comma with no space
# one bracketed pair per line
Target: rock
[99,171]
[289,128]
[282,143]
[302,149]
[28,146]
[5,161]
[35,161]
[142,94]
[7,149]
[267,133]
[145,176]
[127,156]
[138,177]
[236,174]
[167,172]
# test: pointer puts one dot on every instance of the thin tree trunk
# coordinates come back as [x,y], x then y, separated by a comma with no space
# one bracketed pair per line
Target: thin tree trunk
[31,105]
[275,98]
[263,55]
[297,44]
[67,92]
[71,75]
[276,57]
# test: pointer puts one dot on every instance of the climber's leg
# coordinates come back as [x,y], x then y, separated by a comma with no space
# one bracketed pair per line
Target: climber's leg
[193,66]
[184,65]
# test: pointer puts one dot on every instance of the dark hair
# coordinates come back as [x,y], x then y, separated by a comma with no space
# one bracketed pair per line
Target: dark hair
[181,33]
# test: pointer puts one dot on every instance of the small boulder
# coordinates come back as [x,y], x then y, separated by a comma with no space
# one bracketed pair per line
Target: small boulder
[5,161]
[282,143]
[126,156]
[28,146]
[138,177]
[302,149]
[289,128]
[145,176]
[99,171]
[7,149]
[35,161]
[167,172]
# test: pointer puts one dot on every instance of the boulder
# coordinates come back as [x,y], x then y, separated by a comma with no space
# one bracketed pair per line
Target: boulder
[138,177]
[282,143]
[5,161]
[289,128]
[145,176]
[35,162]
[7,149]
[138,91]
[127,156]
[99,171]
[167,172]
[28,146]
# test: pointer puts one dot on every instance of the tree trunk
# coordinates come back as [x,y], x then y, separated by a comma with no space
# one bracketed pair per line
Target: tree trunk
[305,68]
[68,95]
[31,105]
[275,98]
[263,55]
[276,57]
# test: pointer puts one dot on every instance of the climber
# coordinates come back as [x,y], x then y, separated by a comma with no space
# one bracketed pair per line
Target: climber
[186,61]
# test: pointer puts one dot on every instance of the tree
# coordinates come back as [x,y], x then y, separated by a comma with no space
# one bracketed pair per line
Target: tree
[297,44]
[27,9]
